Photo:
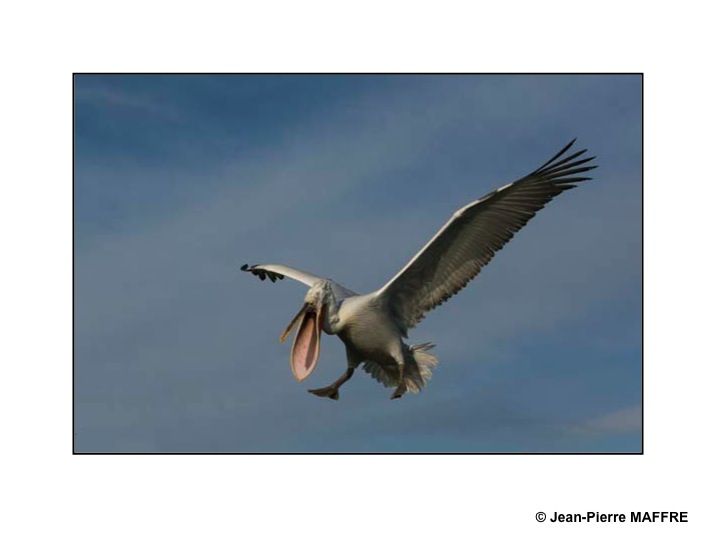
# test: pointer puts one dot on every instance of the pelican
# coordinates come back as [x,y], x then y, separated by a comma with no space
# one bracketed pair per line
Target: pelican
[374,326]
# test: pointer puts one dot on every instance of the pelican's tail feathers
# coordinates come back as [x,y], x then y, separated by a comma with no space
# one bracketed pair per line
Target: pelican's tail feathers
[418,370]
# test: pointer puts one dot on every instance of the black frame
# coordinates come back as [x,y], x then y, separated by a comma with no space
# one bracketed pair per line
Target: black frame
[642,270]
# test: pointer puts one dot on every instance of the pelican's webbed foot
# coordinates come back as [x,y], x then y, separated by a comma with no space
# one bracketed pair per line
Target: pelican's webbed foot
[399,391]
[332,391]
[327,391]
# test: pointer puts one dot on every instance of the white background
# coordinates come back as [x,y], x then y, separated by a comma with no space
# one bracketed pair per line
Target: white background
[49,493]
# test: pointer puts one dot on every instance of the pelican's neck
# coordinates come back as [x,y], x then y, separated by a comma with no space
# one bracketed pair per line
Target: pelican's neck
[332,312]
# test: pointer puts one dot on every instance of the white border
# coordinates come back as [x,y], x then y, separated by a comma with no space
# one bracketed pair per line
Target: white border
[48,492]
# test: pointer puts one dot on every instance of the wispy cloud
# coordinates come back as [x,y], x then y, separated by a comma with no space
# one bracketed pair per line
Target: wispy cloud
[628,419]
[101,96]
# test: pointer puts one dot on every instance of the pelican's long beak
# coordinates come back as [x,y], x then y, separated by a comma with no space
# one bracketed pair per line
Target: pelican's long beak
[295,320]
[306,347]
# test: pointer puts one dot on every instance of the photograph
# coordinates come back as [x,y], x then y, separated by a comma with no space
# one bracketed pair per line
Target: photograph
[325,269]
[357,263]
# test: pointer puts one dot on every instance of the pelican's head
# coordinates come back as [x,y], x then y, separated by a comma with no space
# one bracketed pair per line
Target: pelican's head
[306,347]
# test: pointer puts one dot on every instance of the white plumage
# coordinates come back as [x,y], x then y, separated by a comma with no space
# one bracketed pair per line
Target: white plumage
[373,326]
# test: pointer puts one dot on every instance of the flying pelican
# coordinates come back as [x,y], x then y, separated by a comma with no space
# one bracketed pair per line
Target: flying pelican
[372,326]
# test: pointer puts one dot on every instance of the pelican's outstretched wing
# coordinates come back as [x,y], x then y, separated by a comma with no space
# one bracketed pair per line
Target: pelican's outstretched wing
[279,271]
[467,242]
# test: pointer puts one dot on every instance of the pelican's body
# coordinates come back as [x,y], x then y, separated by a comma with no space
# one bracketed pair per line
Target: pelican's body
[373,326]
[363,324]
[370,335]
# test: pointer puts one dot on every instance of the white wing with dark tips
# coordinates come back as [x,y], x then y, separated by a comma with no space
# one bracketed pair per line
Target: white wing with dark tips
[274,272]
[279,271]
[470,239]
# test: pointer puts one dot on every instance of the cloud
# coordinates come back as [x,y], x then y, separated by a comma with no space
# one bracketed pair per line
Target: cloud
[627,419]
[101,96]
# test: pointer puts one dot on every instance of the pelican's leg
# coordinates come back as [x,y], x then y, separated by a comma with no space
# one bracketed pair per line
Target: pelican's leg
[401,387]
[399,391]
[332,391]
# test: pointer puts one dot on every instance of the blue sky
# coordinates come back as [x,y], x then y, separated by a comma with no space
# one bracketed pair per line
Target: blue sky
[179,180]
